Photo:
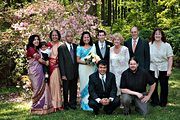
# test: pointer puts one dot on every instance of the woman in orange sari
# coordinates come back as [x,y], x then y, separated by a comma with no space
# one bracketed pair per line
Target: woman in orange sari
[55,79]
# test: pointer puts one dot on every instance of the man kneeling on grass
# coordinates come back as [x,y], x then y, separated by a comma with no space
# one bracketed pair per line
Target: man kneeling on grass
[102,90]
[133,87]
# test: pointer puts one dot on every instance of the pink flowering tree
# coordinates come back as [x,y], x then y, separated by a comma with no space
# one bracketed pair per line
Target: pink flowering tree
[40,18]
[44,16]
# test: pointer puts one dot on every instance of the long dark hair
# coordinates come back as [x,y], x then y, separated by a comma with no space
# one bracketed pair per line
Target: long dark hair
[82,42]
[30,41]
[59,35]
[133,58]
[152,39]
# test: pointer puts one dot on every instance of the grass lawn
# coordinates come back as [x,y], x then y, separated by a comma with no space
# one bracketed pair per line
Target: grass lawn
[20,110]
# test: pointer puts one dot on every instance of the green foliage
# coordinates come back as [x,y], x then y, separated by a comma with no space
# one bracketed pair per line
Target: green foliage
[173,37]
[148,15]
[145,34]
[12,63]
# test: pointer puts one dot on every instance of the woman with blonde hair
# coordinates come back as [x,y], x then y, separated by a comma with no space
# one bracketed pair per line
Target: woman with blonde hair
[119,56]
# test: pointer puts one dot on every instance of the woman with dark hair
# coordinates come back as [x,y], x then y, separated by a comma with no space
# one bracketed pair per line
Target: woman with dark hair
[161,60]
[41,99]
[84,50]
[55,78]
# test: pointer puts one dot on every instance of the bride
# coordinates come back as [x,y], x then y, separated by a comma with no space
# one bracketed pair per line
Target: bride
[85,49]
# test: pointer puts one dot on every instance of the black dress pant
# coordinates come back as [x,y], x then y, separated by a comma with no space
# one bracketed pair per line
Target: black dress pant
[108,108]
[70,87]
[163,79]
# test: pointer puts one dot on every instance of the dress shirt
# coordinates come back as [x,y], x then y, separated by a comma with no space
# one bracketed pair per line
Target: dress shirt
[136,81]
[136,42]
[100,44]
[100,76]
[99,99]
[69,45]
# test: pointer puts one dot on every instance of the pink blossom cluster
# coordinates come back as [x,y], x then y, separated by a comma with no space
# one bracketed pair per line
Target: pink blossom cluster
[45,15]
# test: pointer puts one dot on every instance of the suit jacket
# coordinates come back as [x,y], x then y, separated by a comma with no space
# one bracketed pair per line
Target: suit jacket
[66,65]
[141,52]
[96,88]
[106,56]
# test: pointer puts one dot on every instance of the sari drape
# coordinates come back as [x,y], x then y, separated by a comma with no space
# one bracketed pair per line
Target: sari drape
[84,72]
[41,98]
[55,78]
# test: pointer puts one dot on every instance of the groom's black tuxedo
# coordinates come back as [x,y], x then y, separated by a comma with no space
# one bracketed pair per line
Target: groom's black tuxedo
[107,52]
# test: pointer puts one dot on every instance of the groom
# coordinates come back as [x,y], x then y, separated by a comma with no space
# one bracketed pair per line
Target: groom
[69,70]
[103,46]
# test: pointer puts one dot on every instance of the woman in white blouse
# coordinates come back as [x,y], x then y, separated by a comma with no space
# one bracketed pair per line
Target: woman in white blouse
[119,57]
[161,60]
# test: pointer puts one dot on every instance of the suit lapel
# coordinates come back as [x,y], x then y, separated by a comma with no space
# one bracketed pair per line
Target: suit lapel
[74,48]
[107,80]
[98,50]
[130,45]
[100,81]
[67,53]
[138,45]
[107,49]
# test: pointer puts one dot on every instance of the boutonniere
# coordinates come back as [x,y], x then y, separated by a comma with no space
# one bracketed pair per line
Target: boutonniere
[108,46]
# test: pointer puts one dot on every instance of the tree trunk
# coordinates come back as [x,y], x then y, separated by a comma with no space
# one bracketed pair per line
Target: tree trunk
[8,3]
[102,11]
[93,8]
[109,13]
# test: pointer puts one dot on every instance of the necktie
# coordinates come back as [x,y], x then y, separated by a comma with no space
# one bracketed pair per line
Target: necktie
[101,45]
[103,83]
[72,53]
[102,50]
[134,45]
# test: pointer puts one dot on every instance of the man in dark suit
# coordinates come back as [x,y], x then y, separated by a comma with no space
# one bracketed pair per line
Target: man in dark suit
[69,70]
[103,46]
[138,48]
[102,90]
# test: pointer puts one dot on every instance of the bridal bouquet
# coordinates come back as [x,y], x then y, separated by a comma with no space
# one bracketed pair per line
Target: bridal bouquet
[92,59]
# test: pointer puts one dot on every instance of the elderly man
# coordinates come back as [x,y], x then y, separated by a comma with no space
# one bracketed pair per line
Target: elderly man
[133,87]
[138,48]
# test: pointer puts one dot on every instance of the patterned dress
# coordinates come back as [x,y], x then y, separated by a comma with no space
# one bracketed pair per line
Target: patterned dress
[118,64]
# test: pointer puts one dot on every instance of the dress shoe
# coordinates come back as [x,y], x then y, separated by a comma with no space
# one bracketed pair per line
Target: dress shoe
[127,112]
[109,112]
[96,112]
[163,104]
[154,104]
[66,108]
[72,107]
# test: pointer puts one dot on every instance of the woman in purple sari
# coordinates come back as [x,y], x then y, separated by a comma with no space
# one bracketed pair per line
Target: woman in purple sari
[41,99]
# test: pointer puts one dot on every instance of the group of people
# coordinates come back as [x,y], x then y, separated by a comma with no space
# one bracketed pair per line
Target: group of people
[107,71]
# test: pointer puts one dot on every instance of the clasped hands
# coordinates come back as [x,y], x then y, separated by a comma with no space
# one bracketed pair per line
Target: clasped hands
[143,98]
[105,101]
